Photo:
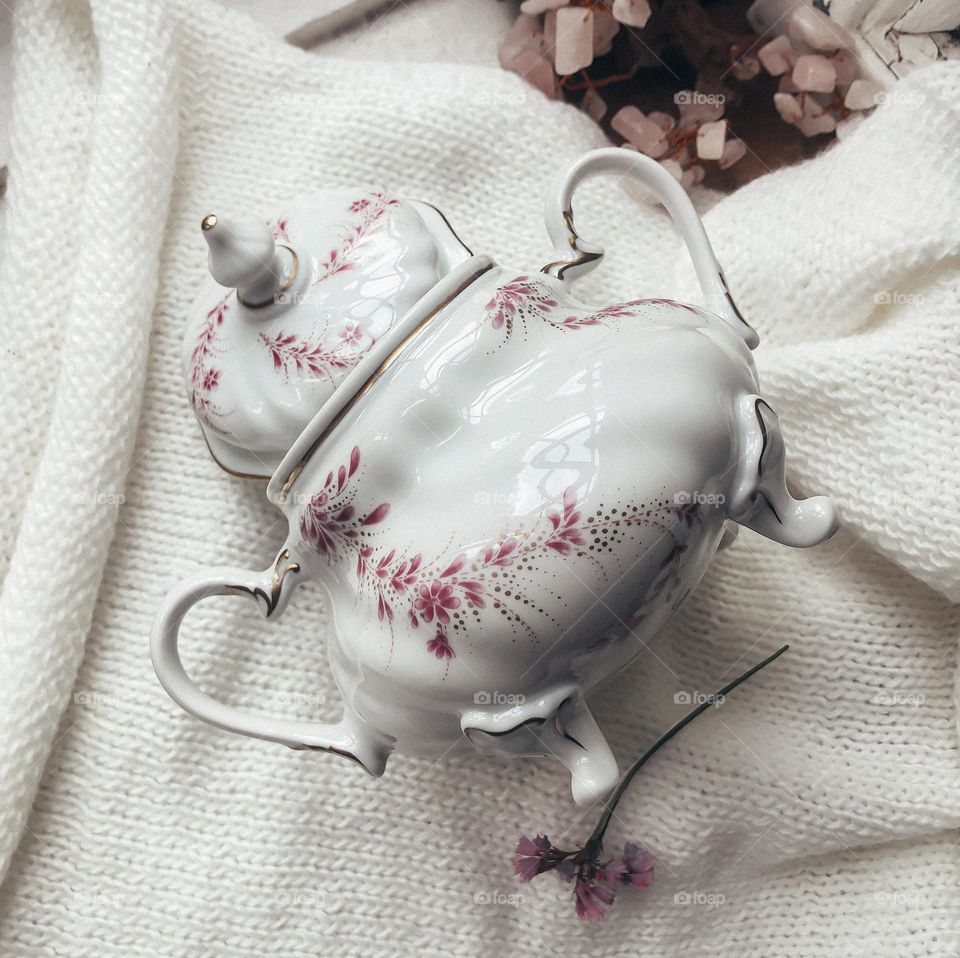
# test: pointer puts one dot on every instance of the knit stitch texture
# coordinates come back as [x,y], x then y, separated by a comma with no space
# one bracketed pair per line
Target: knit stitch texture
[814,814]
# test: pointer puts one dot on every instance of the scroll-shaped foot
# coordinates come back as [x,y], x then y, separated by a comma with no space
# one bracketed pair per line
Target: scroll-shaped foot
[761,500]
[558,725]
[574,738]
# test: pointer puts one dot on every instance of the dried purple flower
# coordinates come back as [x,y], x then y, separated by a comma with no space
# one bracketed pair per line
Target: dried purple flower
[634,867]
[534,856]
[592,896]
[595,882]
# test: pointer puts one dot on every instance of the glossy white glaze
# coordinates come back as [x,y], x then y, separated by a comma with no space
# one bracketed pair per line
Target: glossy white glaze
[506,499]
[313,292]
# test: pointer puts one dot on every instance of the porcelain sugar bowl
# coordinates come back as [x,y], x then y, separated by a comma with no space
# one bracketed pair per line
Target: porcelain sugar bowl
[507,490]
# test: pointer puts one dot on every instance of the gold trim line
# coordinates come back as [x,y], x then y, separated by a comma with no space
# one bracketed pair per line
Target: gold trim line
[282,289]
[375,375]
[276,583]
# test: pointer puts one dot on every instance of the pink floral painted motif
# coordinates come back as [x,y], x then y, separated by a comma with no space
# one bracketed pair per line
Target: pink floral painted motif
[521,299]
[279,229]
[439,645]
[204,378]
[321,354]
[447,593]
[330,523]
[669,302]
[317,356]
[566,533]
[578,322]
[368,211]
[435,599]
[525,298]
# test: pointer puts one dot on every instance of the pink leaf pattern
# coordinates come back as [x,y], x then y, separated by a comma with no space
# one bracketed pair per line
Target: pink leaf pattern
[279,229]
[525,298]
[566,525]
[521,299]
[316,356]
[330,522]
[579,322]
[322,354]
[446,593]
[204,377]
[439,645]
[367,211]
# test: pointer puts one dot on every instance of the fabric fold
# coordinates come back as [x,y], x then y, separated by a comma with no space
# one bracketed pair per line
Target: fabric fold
[847,264]
[778,820]
[71,508]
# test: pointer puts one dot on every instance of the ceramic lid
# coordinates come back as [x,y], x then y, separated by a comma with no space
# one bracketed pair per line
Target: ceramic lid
[291,306]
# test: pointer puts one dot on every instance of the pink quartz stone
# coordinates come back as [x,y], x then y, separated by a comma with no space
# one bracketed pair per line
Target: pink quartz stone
[594,105]
[605,28]
[733,150]
[710,139]
[633,13]
[816,125]
[788,106]
[816,119]
[777,56]
[673,168]
[550,31]
[626,119]
[697,107]
[817,30]
[663,120]
[658,148]
[536,69]
[847,66]
[534,8]
[639,130]
[574,49]
[862,95]
[814,73]
[525,32]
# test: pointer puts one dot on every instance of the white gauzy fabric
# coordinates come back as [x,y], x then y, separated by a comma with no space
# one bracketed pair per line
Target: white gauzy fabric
[813,814]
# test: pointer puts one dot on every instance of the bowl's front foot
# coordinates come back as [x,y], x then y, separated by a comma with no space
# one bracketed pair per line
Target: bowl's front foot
[567,732]
[576,740]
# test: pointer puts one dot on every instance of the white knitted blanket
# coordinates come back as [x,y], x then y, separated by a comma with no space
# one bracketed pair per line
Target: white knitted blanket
[813,814]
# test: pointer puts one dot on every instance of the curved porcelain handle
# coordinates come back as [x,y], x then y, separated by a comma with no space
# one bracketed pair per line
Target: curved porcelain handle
[348,737]
[575,256]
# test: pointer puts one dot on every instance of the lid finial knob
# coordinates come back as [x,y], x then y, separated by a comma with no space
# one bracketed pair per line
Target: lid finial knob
[244,255]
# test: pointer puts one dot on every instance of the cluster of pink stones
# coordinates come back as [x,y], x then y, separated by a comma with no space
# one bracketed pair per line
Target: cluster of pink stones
[820,89]
[567,39]
[681,145]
